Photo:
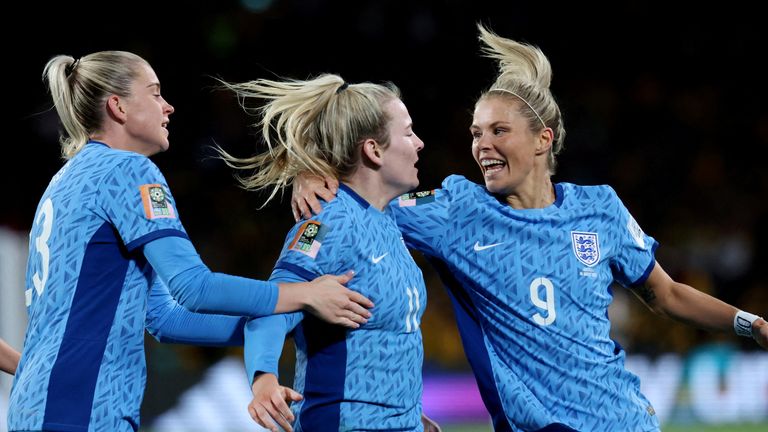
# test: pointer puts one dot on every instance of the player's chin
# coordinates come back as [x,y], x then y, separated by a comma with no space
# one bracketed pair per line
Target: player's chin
[414,183]
[494,187]
[164,144]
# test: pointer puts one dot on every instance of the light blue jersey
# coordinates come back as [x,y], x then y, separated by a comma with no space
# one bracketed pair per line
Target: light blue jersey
[531,289]
[352,380]
[83,366]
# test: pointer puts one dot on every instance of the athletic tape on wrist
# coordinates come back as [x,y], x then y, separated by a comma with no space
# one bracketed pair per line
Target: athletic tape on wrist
[742,323]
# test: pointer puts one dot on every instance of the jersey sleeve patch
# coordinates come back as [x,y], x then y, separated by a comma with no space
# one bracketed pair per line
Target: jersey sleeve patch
[156,204]
[637,233]
[309,238]
[416,198]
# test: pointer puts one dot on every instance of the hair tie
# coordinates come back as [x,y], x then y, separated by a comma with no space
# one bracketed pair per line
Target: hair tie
[71,67]
[342,88]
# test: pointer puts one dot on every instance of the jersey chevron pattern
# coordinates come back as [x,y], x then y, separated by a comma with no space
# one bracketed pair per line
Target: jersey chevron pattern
[531,290]
[368,378]
[83,366]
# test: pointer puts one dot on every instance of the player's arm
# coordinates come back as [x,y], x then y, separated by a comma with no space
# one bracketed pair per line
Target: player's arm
[170,322]
[9,358]
[198,289]
[264,340]
[686,304]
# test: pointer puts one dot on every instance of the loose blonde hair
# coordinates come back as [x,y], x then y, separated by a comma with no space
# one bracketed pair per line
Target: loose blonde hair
[316,125]
[525,75]
[80,88]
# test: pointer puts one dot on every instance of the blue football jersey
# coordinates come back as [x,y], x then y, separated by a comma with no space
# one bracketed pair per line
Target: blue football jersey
[83,366]
[363,379]
[531,289]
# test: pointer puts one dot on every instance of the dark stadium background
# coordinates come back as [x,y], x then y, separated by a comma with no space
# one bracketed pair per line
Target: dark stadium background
[668,105]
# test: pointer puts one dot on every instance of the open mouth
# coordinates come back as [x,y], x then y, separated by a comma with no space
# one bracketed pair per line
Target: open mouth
[492,166]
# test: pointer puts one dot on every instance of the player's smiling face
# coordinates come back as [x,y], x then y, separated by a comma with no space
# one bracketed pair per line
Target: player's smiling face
[503,145]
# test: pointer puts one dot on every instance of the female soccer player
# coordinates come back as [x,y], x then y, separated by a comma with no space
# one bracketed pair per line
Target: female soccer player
[106,228]
[368,378]
[529,264]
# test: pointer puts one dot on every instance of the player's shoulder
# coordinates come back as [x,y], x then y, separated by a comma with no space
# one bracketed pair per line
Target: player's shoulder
[335,216]
[587,194]
[458,183]
[119,164]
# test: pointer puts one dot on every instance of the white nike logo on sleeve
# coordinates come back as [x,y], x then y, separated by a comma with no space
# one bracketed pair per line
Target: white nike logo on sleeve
[478,247]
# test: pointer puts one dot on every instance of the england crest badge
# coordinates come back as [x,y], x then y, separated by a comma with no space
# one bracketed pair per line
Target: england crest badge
[586,247]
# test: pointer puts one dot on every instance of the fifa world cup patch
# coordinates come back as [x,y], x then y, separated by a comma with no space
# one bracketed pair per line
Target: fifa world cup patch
[156,204]
[309,238]
[417,198]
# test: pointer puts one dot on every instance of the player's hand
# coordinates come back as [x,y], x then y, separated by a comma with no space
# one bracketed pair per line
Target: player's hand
[307,188]
[760,332]
[331,301]
[270,403]
[429,424]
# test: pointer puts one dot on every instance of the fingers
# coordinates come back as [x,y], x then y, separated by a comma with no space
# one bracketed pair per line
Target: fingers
[358,313]
[346,277]
[332,184]
[356,317]
[291,395]
[300,209]
[260,416]
[346,322]
[328,193]
[266,414]
[359,299]
[280,410]
[295,211]
[314,203]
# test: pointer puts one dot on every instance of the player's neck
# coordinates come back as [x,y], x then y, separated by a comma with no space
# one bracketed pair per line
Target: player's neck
[370,189]
[532,195]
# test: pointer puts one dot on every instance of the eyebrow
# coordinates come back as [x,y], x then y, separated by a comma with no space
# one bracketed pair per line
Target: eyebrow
[492,125]
[154,84]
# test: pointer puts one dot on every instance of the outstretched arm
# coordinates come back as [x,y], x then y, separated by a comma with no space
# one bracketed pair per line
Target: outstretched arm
[198,289]
[170,322]
[686,304]
[9,358]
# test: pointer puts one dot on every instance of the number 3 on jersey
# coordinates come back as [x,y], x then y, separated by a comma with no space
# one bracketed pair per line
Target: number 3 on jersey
[547,304]
[41,246]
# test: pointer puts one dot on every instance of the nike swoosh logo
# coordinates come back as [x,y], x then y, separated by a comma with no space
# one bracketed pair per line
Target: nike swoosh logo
[376,260]
[478,247]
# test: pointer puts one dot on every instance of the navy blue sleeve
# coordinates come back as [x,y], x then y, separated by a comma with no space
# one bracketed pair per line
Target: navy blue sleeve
[198,289]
